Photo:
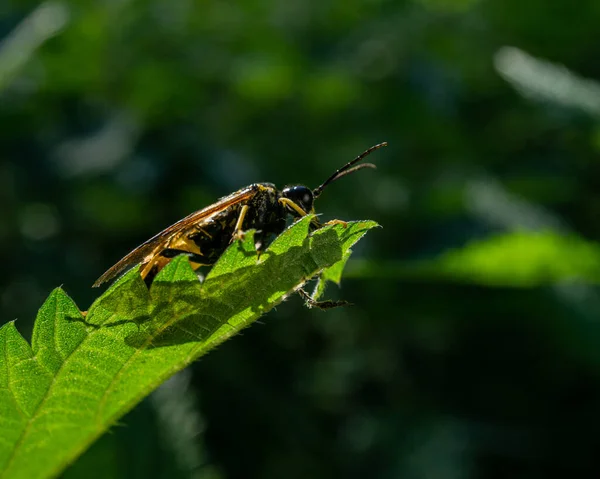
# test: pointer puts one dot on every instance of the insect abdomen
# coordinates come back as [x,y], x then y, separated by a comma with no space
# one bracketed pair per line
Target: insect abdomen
[215,235]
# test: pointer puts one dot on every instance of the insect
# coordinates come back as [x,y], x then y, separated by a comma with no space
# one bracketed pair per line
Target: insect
[205,234]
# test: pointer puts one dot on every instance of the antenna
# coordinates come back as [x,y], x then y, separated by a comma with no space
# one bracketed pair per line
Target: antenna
[347,169]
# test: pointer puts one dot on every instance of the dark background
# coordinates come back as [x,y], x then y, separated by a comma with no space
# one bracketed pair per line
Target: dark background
[118,117]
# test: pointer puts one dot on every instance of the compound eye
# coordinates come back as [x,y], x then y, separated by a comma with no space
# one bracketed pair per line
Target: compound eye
[300,195]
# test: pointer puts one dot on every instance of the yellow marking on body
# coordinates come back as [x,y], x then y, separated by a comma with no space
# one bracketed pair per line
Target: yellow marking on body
[146,269]
[185,244]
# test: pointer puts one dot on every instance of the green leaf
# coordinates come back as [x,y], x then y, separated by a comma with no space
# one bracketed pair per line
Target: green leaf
[82,373]
[333,274]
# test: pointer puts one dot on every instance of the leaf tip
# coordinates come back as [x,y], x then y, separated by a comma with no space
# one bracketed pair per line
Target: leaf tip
[9,325]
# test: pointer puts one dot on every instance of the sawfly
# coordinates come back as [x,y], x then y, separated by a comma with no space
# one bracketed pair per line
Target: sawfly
[204,235]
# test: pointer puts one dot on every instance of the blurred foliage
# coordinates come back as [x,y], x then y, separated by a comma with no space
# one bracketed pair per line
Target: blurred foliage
[513,259]
[120,117]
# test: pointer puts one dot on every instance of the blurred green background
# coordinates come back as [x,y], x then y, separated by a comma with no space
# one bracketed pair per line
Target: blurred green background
[472,349]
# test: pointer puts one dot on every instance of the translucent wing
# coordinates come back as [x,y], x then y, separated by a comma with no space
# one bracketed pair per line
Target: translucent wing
[142,251]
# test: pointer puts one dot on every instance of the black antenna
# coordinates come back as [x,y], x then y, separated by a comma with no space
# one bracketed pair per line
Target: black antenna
[346,170]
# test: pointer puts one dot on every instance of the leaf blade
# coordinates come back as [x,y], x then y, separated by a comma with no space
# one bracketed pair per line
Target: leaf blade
[82,374]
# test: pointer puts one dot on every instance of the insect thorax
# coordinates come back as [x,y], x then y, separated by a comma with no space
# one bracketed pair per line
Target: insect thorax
[264,213]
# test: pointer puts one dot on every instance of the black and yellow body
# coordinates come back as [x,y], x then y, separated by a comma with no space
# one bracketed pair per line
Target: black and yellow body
[205,234]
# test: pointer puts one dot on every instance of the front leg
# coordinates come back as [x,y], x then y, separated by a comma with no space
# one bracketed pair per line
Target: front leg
[315,224]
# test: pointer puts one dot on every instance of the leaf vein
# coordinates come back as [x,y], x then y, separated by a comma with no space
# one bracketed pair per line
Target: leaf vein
[20,409]
[31,418]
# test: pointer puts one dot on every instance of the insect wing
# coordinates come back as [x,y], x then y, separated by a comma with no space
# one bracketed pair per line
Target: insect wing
[142,251]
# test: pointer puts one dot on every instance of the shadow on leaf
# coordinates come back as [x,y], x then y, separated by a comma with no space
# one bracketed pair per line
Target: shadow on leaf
[181,315]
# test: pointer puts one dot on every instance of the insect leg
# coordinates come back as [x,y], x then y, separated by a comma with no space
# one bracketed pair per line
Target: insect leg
[289,203]
[338,222]
[322,305]
[314,224]
[238,233]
